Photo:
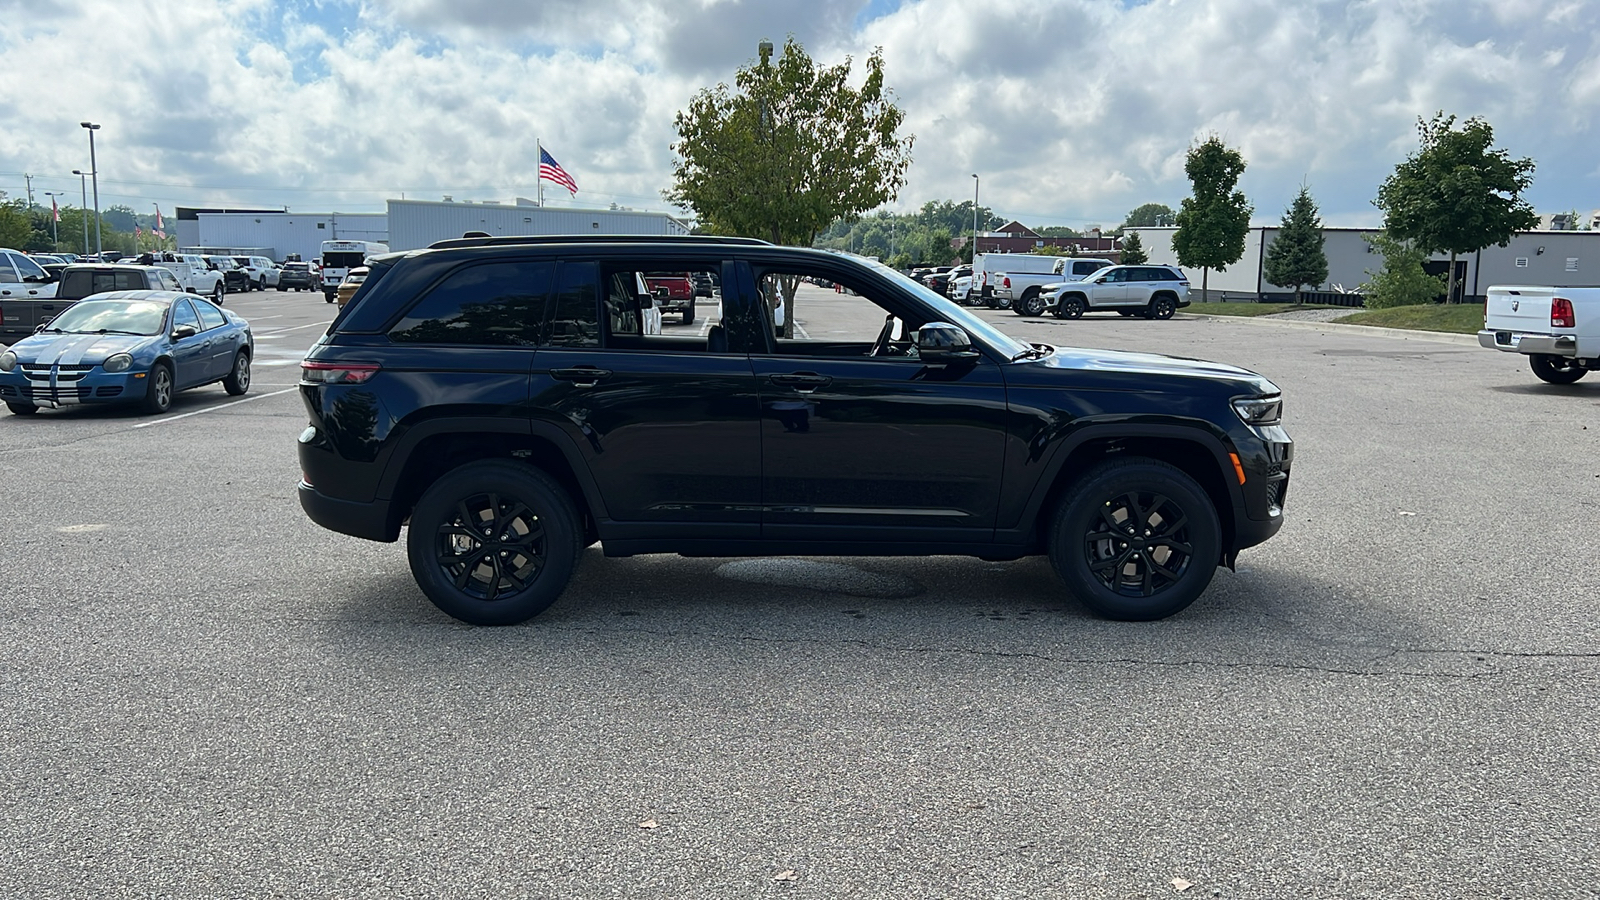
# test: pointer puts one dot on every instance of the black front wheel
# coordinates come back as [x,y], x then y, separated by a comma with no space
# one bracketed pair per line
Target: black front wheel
[22,409]
[1070,308]
[494,542]
[1136,540]
[1556,369]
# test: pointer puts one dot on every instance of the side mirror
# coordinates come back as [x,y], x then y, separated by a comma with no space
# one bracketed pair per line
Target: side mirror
[184,331]
[647,302]
[941,342]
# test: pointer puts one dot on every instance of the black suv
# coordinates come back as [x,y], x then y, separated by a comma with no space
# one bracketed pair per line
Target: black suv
[503,397]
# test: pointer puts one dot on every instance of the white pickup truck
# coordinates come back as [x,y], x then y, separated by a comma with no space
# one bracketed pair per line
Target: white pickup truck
[1016,280]
[1558,329]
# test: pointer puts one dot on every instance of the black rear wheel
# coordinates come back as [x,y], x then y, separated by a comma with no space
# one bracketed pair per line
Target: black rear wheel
[1162,306]
[1136,540]
[1556,369]
[494,542]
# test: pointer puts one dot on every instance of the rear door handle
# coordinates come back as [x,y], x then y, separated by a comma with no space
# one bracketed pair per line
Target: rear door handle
[580,375]
[803,382]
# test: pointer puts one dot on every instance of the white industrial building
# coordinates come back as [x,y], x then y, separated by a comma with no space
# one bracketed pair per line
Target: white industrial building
[418,223]
[1558,258]
[408,225]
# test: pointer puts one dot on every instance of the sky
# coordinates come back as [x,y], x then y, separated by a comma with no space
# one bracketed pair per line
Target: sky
[1071,112]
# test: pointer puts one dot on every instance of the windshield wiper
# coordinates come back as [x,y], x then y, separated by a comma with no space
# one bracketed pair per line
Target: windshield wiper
[118,331]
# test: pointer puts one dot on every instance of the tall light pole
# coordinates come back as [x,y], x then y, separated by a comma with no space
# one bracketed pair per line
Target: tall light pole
[55,237]
[975,183]
[94,175]
[83,208]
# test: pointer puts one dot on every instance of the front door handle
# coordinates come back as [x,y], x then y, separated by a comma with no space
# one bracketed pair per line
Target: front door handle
[803,382]
[583,376]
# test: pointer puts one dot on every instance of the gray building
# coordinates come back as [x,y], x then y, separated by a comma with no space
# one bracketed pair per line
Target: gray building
[418,223]
[1557,258]
[273,232]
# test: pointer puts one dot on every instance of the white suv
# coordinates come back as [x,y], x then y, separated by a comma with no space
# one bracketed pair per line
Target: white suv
[262,272]
[1155,292]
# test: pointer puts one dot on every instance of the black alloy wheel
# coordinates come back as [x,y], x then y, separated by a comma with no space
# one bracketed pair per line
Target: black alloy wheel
[1070,307]
[1556,369]
[1163,306]
[494,542]
[1136,540]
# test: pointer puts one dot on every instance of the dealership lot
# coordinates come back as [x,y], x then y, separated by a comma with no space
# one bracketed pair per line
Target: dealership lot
[207,695]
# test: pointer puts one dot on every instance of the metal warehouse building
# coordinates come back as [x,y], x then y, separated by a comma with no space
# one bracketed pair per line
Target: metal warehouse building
[418,223]
[1557,258]
[273,232]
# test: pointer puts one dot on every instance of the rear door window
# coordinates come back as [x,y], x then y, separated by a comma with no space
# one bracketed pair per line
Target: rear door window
[210,316]
[575,321]
[500,304]
[8,273]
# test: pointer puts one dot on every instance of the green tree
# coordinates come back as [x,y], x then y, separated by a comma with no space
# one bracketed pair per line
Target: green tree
[1057,231]
[1296,256]
[119,218]
[1133,250]
[1149,215]
[1456,194]
[1402,280]
[15,228]
[1212,223]
[788,150]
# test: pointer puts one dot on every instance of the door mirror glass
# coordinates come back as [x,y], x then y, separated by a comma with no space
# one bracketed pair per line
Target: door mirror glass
[184,331]
[942,342]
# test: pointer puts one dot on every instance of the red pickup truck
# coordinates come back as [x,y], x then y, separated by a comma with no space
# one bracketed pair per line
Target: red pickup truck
[674,292]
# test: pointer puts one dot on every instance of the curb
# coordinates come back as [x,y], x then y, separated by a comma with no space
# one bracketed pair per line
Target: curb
[1404,334]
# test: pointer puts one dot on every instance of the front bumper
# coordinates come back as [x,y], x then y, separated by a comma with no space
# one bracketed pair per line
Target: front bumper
[56,386]
[1524,342]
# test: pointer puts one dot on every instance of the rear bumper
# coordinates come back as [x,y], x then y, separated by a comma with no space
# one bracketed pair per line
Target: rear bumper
[1523,342]
[362,520]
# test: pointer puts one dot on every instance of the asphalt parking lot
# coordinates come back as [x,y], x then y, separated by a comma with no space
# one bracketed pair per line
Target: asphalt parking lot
[206,695]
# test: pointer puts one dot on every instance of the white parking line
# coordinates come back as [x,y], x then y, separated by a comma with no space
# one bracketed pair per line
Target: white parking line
[213,408]
[298,327]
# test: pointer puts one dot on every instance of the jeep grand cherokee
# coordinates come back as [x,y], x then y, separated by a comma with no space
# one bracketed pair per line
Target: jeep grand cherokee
[498,399]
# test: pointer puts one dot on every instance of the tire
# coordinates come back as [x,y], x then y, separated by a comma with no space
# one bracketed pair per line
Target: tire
[1031,304]
[282,288]
[22,409]
[217,295]
[688,314]
[531,513]
[238,380]
[1118,573]
[1162,306]
[1556,369]
[1070,307]
[158,392]
[329,297]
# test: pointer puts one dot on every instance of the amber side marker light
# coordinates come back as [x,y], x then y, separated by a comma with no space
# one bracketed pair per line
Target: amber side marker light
[1238,468]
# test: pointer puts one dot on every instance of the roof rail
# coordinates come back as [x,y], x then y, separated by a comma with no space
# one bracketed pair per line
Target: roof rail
[591,239]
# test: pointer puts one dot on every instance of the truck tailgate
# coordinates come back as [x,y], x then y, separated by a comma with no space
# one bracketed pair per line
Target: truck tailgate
[1525,309]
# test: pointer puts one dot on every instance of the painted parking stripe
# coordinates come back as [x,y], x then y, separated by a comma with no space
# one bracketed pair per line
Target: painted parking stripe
[214,408]
[298,327]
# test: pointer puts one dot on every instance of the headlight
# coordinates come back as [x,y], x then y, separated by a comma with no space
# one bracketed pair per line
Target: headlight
[119,362]
[1259,410]
[8,361]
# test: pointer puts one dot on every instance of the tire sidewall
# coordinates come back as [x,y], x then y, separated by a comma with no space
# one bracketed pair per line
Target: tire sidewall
[563,540]
[1081,508]
[152,400]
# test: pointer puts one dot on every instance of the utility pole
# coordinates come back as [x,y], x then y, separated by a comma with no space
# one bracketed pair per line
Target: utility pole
[29,180]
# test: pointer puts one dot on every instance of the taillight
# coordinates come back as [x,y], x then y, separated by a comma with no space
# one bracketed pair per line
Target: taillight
[1007,282]
[318,372]
[1561,314]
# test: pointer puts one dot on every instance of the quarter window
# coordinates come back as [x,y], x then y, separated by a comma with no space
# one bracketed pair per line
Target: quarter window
[494,304]
[576,322]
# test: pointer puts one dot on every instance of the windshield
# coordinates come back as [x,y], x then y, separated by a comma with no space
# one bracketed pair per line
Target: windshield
[977,328]
[343,259]
[94,316]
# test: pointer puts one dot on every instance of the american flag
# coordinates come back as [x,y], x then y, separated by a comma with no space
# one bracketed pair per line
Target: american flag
[158,229]
[551,170]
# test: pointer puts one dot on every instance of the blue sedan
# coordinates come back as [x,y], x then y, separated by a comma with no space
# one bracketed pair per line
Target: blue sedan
[127,347]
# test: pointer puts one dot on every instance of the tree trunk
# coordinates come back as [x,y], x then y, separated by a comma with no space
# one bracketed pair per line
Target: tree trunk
[1450,292]
[1205,282]
[1297,295]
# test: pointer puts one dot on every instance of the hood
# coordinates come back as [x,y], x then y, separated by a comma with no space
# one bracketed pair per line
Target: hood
[1156,365]
[75,349]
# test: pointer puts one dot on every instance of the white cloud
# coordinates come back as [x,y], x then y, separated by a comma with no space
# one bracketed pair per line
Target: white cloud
[1071,110]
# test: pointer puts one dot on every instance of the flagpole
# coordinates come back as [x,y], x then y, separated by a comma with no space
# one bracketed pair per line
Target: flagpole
[539,171]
